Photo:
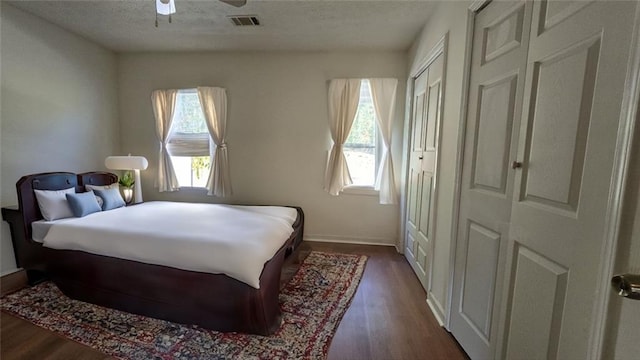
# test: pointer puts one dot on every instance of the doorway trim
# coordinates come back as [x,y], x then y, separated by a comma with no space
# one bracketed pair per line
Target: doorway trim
[621,164]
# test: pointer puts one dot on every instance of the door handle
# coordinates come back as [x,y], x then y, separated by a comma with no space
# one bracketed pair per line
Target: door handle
[516,165]
[627,285]
[420,157]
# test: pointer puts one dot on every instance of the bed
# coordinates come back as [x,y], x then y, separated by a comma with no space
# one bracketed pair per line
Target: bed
[187,294]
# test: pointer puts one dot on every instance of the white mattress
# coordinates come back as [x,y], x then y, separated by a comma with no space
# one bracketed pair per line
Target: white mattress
[233,240]
[40,228]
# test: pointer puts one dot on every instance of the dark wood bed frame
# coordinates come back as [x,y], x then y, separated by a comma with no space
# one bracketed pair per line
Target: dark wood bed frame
[213,301]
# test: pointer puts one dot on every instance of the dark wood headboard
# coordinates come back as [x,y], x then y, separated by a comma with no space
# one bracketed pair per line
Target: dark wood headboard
[27,203]
[96,178]
[53,181]
[20,219]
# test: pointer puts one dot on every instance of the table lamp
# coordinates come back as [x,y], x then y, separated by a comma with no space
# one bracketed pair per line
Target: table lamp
[135,163]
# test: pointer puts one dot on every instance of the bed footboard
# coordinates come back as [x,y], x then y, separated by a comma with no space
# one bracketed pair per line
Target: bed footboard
[213,301]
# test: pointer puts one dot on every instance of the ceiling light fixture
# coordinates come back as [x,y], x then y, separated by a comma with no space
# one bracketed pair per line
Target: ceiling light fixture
[165,7]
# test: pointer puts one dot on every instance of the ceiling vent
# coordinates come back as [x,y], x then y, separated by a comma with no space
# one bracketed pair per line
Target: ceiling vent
[244,20]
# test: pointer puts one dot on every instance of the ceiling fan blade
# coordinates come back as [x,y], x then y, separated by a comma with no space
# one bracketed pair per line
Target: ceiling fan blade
[236,3]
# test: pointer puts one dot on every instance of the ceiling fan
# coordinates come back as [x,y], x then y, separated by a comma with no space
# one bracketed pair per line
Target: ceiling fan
[236,3]
[168,7]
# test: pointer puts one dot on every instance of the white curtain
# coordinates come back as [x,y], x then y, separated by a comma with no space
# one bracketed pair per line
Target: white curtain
[383,92]
[214,106]
[164,104]
[344,96]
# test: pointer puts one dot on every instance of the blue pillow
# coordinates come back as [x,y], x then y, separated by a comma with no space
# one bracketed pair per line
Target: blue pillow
[111,198]
[83,204]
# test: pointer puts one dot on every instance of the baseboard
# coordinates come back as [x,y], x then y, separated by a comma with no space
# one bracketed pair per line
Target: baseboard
[351,240]
[436,312]
[12,282]
[9,272]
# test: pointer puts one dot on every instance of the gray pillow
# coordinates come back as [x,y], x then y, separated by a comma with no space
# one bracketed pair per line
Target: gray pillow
[111,198]
[83,204]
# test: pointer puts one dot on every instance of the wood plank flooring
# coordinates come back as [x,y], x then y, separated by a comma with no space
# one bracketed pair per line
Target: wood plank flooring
[388,319]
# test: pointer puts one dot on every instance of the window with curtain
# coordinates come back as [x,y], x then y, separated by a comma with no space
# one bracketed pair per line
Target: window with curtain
[361,113]
[362,148]
[189,141]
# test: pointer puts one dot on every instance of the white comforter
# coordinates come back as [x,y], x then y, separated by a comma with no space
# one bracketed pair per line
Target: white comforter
[233,240]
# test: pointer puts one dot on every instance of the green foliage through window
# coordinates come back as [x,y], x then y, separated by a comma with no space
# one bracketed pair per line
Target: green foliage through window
[363,130]
[360,147]
[200,166]
[189,118]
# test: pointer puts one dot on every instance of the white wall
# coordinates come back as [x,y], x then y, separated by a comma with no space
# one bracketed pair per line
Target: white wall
[58,105]
[278,132]
[451,18]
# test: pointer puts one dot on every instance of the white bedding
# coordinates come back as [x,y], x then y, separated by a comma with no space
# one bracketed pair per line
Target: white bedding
[233,240]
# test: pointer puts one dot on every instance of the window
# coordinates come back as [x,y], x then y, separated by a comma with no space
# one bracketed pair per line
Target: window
[362,146]
[189,144]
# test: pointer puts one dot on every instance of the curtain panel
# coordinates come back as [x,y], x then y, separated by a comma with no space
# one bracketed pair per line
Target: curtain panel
[164,103]
[383,92]
[344,96]
[213,101]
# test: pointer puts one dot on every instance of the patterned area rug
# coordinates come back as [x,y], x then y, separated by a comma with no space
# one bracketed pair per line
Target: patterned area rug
[313,304]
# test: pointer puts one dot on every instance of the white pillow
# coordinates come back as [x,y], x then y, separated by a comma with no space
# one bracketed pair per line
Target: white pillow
[102,187]
[53,203]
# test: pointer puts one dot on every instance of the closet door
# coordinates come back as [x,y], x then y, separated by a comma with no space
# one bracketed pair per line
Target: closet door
[498,68]
[577,64]
[422,169]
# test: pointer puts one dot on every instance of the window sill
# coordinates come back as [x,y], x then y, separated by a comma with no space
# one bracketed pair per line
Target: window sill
[192,188]
[360,190]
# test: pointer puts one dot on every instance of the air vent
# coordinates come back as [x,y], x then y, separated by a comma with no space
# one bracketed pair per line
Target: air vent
[244,20]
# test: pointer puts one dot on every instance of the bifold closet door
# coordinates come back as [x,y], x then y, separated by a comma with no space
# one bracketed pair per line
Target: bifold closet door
[422,169]
[532,226]
[577,63]
[498,68]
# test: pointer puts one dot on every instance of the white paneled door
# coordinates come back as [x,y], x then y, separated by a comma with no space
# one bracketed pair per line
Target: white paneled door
[498,70]
[537,172]
[422,168]
[577,64]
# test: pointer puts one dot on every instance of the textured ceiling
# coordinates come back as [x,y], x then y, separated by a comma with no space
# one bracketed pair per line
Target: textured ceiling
[202,25]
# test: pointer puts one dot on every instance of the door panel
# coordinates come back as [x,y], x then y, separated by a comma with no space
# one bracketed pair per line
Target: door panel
[425,205]
[434,108]
[480,270]
[503,34]
[560,111]
[540,284]
[418,114]
[493,134]
[553,12]
[498,64]
[574,86]
[412,203]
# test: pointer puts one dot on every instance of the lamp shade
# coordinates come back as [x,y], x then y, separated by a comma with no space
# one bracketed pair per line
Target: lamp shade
[165,7]
[126,162]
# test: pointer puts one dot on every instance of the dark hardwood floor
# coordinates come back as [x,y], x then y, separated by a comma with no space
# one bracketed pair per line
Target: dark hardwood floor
[388,319]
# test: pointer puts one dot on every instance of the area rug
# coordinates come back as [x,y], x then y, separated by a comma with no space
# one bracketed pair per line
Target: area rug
[313,304]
